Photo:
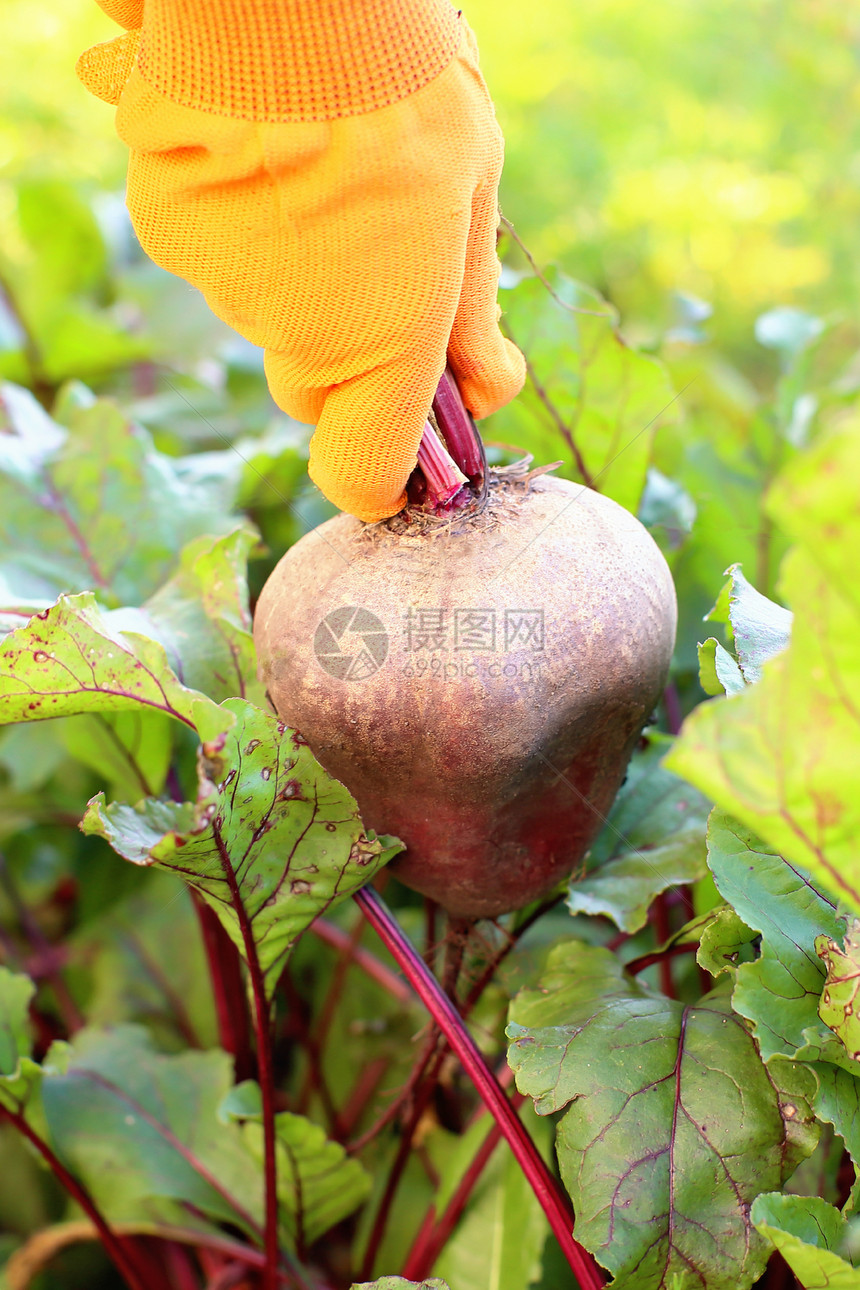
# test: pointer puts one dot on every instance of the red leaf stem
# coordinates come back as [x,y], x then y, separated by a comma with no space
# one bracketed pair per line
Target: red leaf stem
[228,989]
[449,1021]
[458,429]
[114,1245]
[662,932]
[635,966]
[233,1251]
[449,460]
[674,711]
[265,1069]
[177,1267]
[443,476]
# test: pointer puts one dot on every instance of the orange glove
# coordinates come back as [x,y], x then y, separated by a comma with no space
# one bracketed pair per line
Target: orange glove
[326,172]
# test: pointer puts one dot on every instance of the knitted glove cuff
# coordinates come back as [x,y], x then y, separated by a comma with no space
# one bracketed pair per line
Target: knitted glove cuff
[294,60]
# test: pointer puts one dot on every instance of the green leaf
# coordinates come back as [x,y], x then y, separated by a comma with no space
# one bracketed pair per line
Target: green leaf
[808,1233]
[95,506]
[318,1183]
[719,611]
[654,839]
[25,1201]
[760,628]
[674,1123]
[666,509]
[781,756]
[54,265]
[16,991]
[57,223]
[30,753]
[718,671]
[19,1074]
[274,464]
[460,1155]
[722,939]
[71,659]
[779,993]
[590,396]
[30,438]
[243,1102]
[814,500]
[838,1006]
[140,1128]
[500,1238]
[271,843]
[129,751]
[144,962]
[624,888]
[715,460]
[837,1102]
[651,805]
[201,617]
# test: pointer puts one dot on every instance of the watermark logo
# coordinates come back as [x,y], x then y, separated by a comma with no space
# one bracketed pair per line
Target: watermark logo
[431,631]
[524,629]
[351,643]
[447,644]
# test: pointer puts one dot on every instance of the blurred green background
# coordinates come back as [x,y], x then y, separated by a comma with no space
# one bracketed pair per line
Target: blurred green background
[707,146]
[695,161]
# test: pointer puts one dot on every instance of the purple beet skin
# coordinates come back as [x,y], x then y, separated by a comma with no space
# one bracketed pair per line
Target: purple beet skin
[478,687]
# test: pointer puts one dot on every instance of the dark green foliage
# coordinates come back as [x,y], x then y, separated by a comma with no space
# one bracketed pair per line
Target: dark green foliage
[681,1094]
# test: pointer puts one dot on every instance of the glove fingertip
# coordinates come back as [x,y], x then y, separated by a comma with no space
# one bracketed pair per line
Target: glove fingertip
[366,503]
[486,387]
[105,68]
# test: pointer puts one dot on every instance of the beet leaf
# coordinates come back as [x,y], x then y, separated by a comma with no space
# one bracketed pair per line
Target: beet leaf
[271,842]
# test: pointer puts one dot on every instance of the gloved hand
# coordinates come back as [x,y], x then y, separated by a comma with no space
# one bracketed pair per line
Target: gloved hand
[326,172]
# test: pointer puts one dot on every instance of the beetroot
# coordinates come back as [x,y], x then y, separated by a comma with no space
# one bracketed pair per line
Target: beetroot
[478,684]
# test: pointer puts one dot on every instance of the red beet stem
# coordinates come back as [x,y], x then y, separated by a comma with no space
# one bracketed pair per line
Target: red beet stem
[449,1021]
[120,1249]
[444,478]
[458,429]
[450,455]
